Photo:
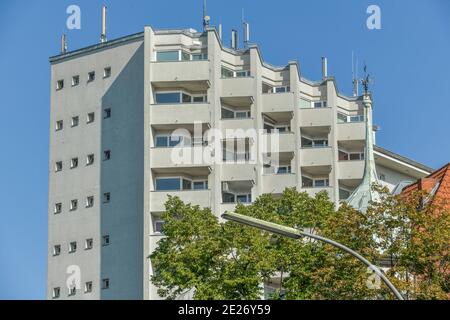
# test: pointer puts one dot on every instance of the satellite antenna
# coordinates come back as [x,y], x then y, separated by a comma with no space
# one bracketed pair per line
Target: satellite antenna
[206,18]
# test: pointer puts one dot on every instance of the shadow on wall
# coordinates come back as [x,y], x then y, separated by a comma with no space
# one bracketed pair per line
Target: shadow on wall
[122,177]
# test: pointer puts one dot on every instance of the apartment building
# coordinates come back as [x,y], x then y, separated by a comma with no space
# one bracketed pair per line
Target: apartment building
[115,110]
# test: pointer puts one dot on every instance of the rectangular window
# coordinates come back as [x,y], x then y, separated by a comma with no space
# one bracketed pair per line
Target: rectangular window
[357,118]
[107,113]
[242,114]
[75,81]
[59,84]
[199,99]
[73,163]
[161,141]
[162,56]
[185,98]
[199,56]
[90,159]
[187,184]
[56,292]
[56,250]
[90,117]
[320,183]
[89,244]
[227,197]
[307,182]
[355,156]
[88,287]
[343,194]
[58,208]
[73,205]
[72,291]
[343,156]
[107,72]
[243,198]
[75,121]
[106,155]
[73,247]
[105,240]
[227,114]
[227,73]
[105,283]
[91,76]
[200,185]
[159,226]
[243,73]
[58,166]
[59,125]
[342,118]
[167,97]
[168,184]
[89,202]
[185,56]
[106,197]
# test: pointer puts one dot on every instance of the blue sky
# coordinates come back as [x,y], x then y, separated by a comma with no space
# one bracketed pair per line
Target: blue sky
[408,58]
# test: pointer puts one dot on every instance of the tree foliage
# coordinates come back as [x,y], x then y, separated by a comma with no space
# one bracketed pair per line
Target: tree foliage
[225,260]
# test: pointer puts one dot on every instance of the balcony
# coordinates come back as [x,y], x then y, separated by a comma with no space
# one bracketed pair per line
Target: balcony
[237,124]
[349,170]
[237,87]
[189,72]
[313,117]
[238,171]
[313,191]
[277,183]
[319,156]
[351,131]
[195,197]
[183,113]
[278,102]
[179,157]
[278,142]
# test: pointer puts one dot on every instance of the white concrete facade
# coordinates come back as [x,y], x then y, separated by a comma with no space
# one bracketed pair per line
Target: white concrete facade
[219,88]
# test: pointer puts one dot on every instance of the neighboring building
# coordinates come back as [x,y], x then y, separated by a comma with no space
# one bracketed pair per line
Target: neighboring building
[436,185]
[114,107]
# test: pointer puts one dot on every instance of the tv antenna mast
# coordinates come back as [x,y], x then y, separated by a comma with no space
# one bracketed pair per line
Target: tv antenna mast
[366,80]
[206,18]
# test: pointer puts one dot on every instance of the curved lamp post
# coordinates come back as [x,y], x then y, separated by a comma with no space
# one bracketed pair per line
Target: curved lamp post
[297,234]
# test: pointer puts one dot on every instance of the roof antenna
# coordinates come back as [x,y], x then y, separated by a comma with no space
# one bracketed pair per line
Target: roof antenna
[206,18]
[355,76]
[366,80]
[246,27]
[63,43]
[103,36]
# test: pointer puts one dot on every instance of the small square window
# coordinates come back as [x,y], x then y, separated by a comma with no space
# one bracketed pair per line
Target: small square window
[89,244]
[159,225]
[105,284]
[90,159]
[75,81]
[58,208]
[89,202]
[107,72]
[90,117]
[106,241]
[107,155]
[91,76]
[72,291]
[59,125]
[56,250]
[106,197]
[107,113]
[75,121]
[59,84]
[73,205]
[73,163]
[56,293]
[73,247]
[58,166]
[88,287]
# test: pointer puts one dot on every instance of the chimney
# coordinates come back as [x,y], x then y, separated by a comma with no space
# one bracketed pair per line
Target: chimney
[103,36]
[63,43]
[324,67]
[234,39]
[246,33]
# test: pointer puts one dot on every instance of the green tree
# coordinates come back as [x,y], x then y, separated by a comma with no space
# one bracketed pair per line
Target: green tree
[226,260]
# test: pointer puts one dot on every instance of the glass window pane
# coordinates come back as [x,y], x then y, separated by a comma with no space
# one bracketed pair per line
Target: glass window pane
[306,142]
[199,99]
[318,104]
[167,97]
[343,194]
[167,56]
[161,141]
[167,184]
[174,141]
[354,156]
[186,98]
[342,118]
[282,170]
[227,114]
[227,197]
[199,56]
[187,184]
[242,114]
[343,156]
[305,103]
[307,182]
[226,73]
[199,185]
[319,183]
[242,199]
[242,73]
[280,89]
[185,56]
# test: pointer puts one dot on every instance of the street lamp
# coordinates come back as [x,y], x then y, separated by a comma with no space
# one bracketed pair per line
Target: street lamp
[297,234]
